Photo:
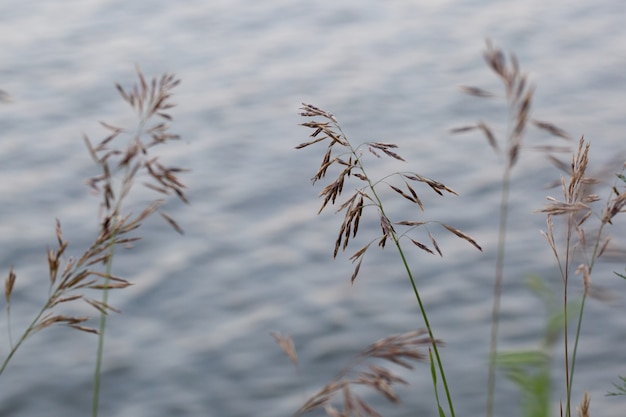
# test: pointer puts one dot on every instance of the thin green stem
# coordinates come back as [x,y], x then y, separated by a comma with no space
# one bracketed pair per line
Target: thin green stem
[592,262]
[101,328]
[434,378]
[571,373]
[124,189]
[24,336]
[565,320]
[427,324]
[497,288]
[9,325]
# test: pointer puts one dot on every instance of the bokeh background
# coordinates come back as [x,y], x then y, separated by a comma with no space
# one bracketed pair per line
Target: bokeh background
[193,339]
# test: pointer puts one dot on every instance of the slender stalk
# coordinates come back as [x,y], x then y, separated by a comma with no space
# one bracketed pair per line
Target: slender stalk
[9,326]
[497,288]
[570,381]
[24,336]
[101,328]
[427,324]
[565,320]
[519,107]
[148,100]
[97,379]
[52,295]
[434,377]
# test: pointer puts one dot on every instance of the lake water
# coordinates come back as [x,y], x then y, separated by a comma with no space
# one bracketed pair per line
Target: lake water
[193,339]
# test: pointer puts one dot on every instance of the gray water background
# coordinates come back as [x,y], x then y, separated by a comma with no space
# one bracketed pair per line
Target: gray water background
[193,339]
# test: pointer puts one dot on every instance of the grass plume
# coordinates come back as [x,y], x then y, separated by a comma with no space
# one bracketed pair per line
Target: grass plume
[518,95]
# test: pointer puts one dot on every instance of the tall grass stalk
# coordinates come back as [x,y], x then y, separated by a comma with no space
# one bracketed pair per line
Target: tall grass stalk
[121,168]
[350,161]
[92,270]
[519,98]
[396,240]
[101,329]
[576,207]
[497,288]
[615,203]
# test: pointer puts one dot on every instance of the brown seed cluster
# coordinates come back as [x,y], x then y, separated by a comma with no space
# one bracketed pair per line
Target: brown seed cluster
[519,97]
[583,410]
[576,207]
[349,161]
[120,166]
[617,201]
[400,349]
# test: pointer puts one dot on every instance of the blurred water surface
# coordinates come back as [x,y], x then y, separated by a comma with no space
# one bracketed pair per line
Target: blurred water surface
[193,338]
